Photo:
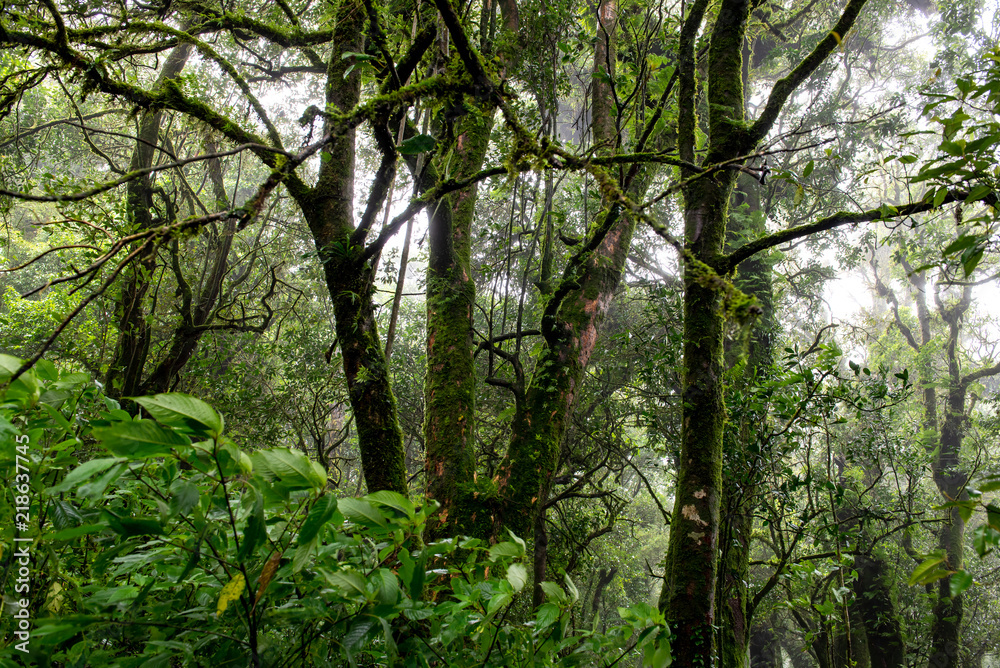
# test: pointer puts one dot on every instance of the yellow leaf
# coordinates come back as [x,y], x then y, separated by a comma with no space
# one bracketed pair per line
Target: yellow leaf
[836,36]
[230,592]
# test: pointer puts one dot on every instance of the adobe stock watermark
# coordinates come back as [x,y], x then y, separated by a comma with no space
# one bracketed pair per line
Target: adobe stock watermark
[21,566]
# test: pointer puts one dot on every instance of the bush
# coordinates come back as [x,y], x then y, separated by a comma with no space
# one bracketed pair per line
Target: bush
[160,542]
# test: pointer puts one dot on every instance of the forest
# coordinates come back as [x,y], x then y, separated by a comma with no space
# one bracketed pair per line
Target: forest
[500,333]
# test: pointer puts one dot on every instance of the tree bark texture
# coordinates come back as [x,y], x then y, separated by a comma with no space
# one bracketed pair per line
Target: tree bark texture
[329,211]
[450,384]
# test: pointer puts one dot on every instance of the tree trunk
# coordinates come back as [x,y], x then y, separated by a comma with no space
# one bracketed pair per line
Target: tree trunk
[570,323]
[450,384]
[195,316]
[125,371]
[876,602]
[329,210]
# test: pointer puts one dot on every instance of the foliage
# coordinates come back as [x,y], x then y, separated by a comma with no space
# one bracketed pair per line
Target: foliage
[161,542]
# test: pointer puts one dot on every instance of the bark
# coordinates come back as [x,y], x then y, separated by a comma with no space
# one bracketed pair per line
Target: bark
[876,602]
[450,384]
[125,371]
[570,325]
[690,587]
[329,211]
[741,475]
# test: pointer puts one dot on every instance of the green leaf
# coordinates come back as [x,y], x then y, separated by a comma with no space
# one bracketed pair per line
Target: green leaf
[978,193]
[64,515]
[418,144]
[183,411]
[961,243]
[394,500]
[808,169]
[82,472]
[939,196]
[76,532]
[183,497]
[388,586]
[139,440]
[292,468]
[928,571]
[360,511]
[555,592]
[959,582]
[498,600]
[547,614]
[132,526]
[255,533]
[349,582]
[506,549]
[970,262]
[320,513]
[517,576]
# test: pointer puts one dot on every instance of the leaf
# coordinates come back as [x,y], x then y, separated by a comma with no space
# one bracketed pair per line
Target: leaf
[978,193]
[183,497]
[554,591]
[270,568]
[928,571]
[959,582]
[517,576]
[388,586]
[231,592]
[418,144]
[499,600]
[76,532]
[320,513]
[183,411]
[506,549]
[574,593]
[128,527]
[799,194]
[961,243]
[808,169]
[360,511]
[255,533]
[139,440]
[547,614]
[393,500]
[350,582]
[82,472]
[64,515]
[970,263]
[293,469]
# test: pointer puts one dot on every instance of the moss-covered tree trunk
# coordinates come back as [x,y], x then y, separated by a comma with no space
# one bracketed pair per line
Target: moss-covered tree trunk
[125,371]
[875,600]
[946,640]
[570,323]
[690,587]
[329,211]
[450,384]
[751,360]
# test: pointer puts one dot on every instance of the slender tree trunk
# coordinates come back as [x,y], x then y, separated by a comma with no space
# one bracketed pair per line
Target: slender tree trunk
[876,602]
[329,210]
[125,371]
[570,324]
[196,314]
